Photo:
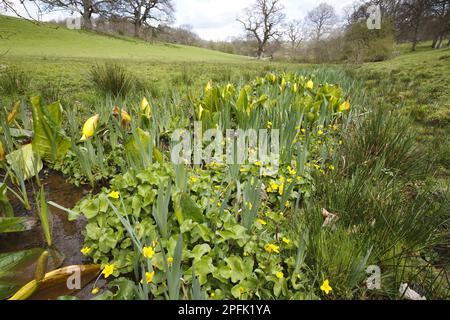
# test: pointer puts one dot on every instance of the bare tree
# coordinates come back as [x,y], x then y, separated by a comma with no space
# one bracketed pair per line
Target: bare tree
[322,18]
[262,22]
[23,5]
[86,8]
[295,33]
[142,12]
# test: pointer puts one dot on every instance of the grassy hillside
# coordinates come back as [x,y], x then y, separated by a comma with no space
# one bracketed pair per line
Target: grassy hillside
[24,39]
[57,62]
[417,84]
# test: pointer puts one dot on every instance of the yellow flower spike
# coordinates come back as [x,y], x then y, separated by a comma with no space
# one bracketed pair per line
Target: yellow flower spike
[309,85]
[148,252]
[86,250]
[295,88]
[269,125]
[108,270]
[286,240]
[261,221]
[326,287]
[146,108]
[14,112]
[125,116]
[272,248]
[281,189]
[95,291]
[344,106]
[149,276]
[2,152]
[114,195]
[89,127]
[279,275]
[209,86]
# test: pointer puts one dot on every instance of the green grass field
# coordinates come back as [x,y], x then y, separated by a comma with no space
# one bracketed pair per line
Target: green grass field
[25,39]
[58,61]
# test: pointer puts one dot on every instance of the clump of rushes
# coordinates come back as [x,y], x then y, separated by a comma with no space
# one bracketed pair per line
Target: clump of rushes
[112,79]
[14,81]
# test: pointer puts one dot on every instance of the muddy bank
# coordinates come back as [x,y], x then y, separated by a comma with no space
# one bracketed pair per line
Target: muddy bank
[68,238]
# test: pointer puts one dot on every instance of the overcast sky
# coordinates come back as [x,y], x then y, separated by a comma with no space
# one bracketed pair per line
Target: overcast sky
[216,19]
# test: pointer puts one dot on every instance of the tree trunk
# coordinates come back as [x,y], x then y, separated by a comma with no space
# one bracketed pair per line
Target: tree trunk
[415,39]
[87,13]
[260,51]
[433,45]
[137,29]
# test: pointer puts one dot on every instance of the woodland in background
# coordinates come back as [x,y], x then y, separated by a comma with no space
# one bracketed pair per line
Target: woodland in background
[321,37]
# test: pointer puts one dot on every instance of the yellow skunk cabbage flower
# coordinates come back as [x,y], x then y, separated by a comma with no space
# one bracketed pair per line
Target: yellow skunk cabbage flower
[125,116]
[309,85]
[2,152]
[145,107]
[89,127]
[345,106]
[14,112]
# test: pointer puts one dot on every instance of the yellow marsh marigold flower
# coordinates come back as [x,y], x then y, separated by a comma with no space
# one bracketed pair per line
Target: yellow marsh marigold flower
[149,276]
[108,270]
[89,127]
[309,85]
[261,221]
[272,248]
[274,186]
[286,240]
[169,260]
[326,287]
[86,250]
[148,252]
[95,291]
[344,106]
[292,171]
[114,195]
[279,275]
[193,179]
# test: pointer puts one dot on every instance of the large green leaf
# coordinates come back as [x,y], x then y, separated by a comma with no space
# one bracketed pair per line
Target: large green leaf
[16,224]
[24,162]
[49,139]
[11,264]
[18,268]
[5,207]
[190,209]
